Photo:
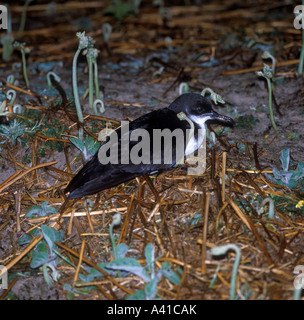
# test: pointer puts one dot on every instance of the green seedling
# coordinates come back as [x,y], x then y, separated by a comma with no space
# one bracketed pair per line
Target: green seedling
[91,55]
[106,32]
[55,274]
[44,255]
[88,147]
[286,177]
[115,222]
[271,207]
[120,9]
[40,211]
[221,250]
[14,131]
[123,266]
[23,18]
[101,105]
[11,96]
[48,78]
[267,73]
[214,96]
[183,88]
[146,273]
[267,55]
[11,79]
[98,94]
[84,43]
[21,47]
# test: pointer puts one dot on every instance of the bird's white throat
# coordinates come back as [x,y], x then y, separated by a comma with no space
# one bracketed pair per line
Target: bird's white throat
[194,144]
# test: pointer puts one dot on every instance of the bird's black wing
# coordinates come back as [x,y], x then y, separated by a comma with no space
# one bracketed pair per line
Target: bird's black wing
[95,176]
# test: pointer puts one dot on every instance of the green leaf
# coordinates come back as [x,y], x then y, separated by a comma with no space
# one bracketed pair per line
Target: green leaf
[170,274]
[149,253]
[151,288]
[77,143]
[119,9]
[91,145]
[27,237]
[138,295]
[40,255]
[51,235]
[285,158]
[292,183]
[40,211]
[299,173]
[33,211]
[121,250]
[130,265]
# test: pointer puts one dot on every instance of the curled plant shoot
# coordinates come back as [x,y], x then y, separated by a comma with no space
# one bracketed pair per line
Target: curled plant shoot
[271,207]
[11,79]
[11,96]
[101,107]
[268,74]
[21,47]
[55,274]
[48,77]
[214,96]
[106,31]
[183,88]
[267,55]
[221,250]
[116,221]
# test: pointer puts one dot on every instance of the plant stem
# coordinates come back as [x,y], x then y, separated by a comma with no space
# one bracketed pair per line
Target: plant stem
[24,68]
[90,64]
[270,104]
[220,250]
[23,18]
[97,94]
[76,95]
[271,207]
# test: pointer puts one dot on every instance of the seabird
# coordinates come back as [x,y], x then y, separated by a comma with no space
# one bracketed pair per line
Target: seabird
[98,174]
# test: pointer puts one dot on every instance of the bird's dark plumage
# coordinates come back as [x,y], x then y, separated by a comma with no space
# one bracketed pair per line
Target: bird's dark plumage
[95,176]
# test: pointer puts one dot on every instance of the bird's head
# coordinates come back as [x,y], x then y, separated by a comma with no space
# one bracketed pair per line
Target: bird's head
[199,110]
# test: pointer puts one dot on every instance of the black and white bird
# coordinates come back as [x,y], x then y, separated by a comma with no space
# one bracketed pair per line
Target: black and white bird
[96,175]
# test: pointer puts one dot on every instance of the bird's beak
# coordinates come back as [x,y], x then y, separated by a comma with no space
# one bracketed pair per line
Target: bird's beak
[217,118]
